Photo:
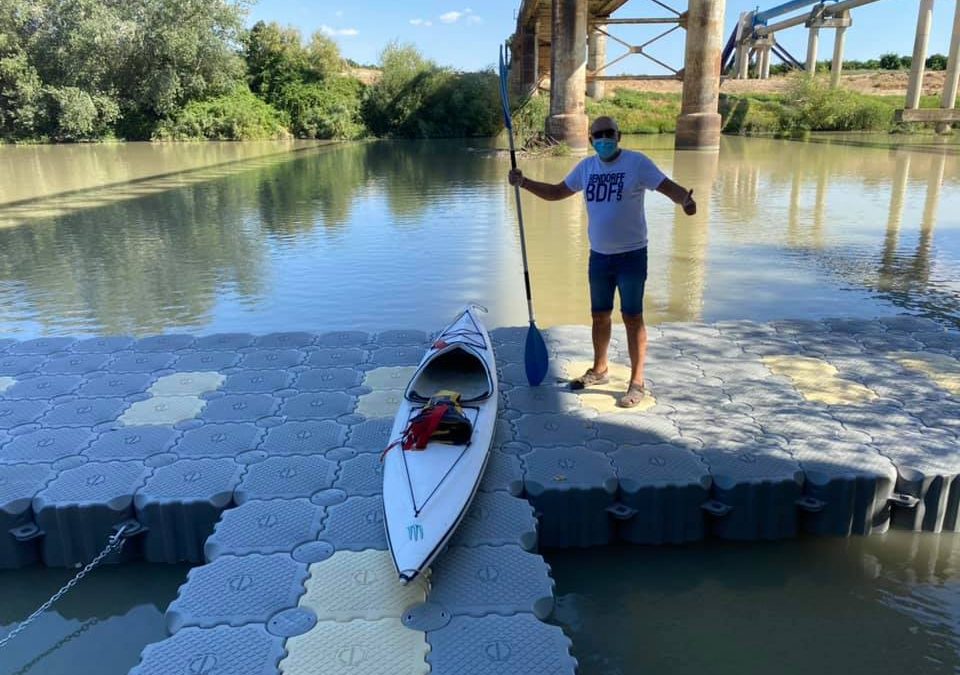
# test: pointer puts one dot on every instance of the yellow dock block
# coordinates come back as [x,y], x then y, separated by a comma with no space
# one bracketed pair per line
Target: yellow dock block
[162,410]
[819,381]
[187,384]
[380,403]
[942,369]
[382,647]
[6,383]
[603,398]
[393,377]
[359,585]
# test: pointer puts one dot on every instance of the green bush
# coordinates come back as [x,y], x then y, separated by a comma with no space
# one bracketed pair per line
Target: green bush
[936,62]
[238,116]
[811,104]
[21,98]
[415,98]
[639,112]
[75,115]
[329,109]
[890,61]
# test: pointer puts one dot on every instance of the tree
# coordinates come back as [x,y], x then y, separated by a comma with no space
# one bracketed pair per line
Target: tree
[275,58]
[936,62]
[890,61]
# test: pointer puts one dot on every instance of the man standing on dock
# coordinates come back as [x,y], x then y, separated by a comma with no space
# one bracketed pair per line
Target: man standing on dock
[613,183]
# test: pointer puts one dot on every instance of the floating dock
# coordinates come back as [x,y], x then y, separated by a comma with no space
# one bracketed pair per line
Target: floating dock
[257,457]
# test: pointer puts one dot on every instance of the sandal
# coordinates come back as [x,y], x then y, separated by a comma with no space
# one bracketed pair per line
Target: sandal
[635,394]
[590,378]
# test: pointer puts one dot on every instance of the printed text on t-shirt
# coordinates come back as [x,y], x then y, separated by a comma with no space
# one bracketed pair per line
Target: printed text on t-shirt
[602,187]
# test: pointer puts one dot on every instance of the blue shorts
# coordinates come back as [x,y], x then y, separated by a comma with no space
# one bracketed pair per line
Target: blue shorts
[626,272]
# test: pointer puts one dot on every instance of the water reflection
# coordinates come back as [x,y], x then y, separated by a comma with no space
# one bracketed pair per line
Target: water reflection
[371,235]
[99,628]
[860,605]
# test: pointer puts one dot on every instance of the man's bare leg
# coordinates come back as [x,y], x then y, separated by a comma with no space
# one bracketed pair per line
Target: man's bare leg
[636,345]
[602,327]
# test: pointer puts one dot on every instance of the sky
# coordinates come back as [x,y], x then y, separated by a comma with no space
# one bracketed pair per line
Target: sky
[466,36]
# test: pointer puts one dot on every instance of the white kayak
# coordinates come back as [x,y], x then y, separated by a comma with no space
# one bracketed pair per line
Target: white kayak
[427,492]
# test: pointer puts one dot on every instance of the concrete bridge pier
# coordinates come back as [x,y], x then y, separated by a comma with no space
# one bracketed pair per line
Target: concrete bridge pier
[917,65]
[838,44]
[813,44]
[568,68]
[949,97]
[596,58]
[698,126]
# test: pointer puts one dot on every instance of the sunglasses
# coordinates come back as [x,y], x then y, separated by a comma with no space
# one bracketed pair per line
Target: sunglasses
[604,133]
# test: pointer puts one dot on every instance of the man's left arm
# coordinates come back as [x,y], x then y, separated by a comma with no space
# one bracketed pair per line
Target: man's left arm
[678,195]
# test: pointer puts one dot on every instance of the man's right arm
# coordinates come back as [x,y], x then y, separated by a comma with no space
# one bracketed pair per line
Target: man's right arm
[549,191]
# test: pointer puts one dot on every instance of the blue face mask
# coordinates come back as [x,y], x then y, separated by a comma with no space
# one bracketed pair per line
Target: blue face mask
[605,147]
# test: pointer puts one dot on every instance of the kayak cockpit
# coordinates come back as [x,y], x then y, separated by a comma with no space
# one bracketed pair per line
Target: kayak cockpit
[455,368]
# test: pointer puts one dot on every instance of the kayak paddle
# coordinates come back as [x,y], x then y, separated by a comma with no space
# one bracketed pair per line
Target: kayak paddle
[535,355]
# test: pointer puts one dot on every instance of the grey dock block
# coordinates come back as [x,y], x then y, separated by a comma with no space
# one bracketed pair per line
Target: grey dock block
[664,486]
[180,503]
[329,358]
[342,338]
[356,524]
[285,340]
[231,342]
[936,489]
[572,490]
[553,430]
[107,344]
[16,365]
[240,408]
[370,436]
[328,379]
[115,385]
[497,518]
[755,492]
[16,413]
[134,442]
[272,359]
[481,580]
[79,508]
[227,439]
[318,405]
[285,477]
[84,412]
[361,475]
[265,526]
[249,650]
[205,361]
[500,645]
[19,484]
[635,429]
[46,445]
[140,362]
[237,590]
[168,342]
[43,387]
[847,493]
[303,438]
[503,472]
[257,381]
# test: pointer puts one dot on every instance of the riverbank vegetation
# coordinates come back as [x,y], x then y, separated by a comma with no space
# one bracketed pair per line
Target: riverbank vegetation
[86,70]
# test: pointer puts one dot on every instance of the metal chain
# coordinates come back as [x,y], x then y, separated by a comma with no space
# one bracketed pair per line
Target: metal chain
[114,544]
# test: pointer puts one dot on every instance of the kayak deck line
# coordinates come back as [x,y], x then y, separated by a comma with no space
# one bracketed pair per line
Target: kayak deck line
[271,482]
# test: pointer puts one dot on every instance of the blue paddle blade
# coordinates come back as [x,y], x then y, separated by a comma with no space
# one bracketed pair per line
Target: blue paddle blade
[536,359]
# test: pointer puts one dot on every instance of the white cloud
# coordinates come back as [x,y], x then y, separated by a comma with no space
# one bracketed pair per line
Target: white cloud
[454,17]
[333,32]
[420,22]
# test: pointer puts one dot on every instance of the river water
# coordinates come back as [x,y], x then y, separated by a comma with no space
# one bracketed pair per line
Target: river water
[139,239]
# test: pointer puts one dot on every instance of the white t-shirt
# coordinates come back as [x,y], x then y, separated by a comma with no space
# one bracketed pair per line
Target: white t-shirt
[614,195]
